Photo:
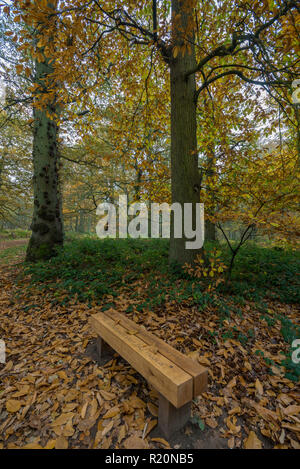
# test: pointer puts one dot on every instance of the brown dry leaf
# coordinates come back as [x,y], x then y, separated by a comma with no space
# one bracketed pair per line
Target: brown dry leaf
[107,396]
[149,428]
[13,406]
[112,412]
[203,361]
[71,395]
[69,407]
[252,442]
[211,422]
[247,365]
[162,441]
[294,444]
[61,443]
[22,392]
[106,443]
[231,424]
[293,428]
[107,428]
[197,342]
[153,409]
[68,429]
[50,444]
[135,442]
[98,438]
[235,410]
[122,433]
[32,446]
[84,410]
[93,408]
[284,399]
[231,442]
[292,410]
[9,366]
[265,413]
[259,387]
[86,424]
[136,402]
[62,419]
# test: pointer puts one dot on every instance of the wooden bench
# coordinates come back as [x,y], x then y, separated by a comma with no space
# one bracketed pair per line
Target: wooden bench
[177,378]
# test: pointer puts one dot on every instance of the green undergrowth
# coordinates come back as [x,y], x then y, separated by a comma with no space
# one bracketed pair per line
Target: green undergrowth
[91,268]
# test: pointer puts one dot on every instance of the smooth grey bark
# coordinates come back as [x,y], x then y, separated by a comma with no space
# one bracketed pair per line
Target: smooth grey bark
[185,179]
[46,226]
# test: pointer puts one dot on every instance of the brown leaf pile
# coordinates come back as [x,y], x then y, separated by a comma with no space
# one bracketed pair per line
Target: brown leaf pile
[54,395]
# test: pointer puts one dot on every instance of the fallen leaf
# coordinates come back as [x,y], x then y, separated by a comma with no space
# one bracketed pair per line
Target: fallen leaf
[61,443]
[13,406]
[252,442]
[135,442]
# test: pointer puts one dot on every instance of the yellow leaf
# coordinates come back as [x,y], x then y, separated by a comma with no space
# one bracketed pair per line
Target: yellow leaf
[259,387]
[62,419]
[50,444]
[32,446]
[252,442]
[107,396]
[111,413]
[175,51]
[12,405]
[162,441]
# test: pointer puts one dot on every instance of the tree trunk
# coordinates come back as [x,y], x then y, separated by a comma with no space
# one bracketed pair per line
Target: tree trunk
[184,158]
[47,228]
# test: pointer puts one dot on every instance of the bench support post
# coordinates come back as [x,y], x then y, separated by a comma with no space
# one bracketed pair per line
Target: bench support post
[171,419]
[104,352]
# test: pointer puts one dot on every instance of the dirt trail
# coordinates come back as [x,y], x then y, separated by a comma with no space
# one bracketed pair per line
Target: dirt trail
[9,243]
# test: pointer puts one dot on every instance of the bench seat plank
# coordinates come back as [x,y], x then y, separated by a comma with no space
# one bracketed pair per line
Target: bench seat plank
[197,371]
[170,380]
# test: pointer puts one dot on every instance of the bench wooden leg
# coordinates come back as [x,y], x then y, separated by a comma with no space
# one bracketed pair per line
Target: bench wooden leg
[104,352]
[171,419]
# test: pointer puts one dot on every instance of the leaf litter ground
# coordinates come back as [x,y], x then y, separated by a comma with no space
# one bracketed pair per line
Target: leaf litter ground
[53,394]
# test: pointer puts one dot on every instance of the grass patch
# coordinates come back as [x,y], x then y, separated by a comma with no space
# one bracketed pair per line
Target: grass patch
[15,234]
[9,255]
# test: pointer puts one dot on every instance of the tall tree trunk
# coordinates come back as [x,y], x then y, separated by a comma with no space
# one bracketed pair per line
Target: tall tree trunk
[47,228]
[184,158]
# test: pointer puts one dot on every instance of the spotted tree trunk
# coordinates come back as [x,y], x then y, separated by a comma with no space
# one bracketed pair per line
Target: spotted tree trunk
[46,226]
